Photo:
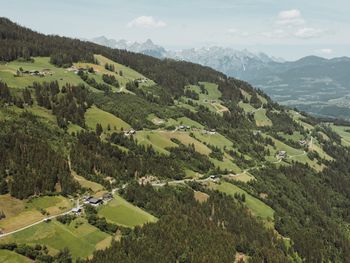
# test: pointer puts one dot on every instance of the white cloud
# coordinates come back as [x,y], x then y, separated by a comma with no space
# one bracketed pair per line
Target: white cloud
[291,17]
[309,32]
[326,51]
[289,14]
[146,22]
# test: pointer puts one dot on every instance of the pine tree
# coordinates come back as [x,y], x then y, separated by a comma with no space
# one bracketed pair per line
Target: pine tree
[99,129]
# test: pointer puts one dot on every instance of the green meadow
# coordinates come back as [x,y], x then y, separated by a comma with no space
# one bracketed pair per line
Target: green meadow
[256,206]
[7,256]
[79,236]
[123,213]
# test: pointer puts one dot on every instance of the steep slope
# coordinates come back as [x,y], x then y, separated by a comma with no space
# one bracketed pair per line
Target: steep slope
[186,129]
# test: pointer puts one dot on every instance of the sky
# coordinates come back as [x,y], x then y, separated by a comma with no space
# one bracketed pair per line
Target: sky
[289,29]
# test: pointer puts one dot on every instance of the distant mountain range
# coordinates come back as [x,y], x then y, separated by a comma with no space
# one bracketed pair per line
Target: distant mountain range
[317,85]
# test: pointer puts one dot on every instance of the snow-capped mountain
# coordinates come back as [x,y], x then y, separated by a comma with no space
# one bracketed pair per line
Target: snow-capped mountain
[227,60]
[147,47]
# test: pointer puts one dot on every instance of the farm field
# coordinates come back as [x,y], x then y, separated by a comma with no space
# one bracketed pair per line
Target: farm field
[7,256]
[123,213]
[20,213]
[79,236]
[257,207]
[95,115]
[8,70]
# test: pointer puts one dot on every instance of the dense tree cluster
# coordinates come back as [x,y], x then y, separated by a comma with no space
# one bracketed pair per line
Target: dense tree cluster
[306,210]
[91,157]
[68,104]
[191,158]
[191,232]
[133,109]
[111,80]
[28,164]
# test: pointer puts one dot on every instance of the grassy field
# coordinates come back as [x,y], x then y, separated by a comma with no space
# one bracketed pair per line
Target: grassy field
[63,76]
[211,100]
[261,119]
[293,154]
[243,177]
[341,130]
[95,187]
[156,139]
[123,213]
[246,107]
[128,73]
[95,115]
[79,236]
[20,213]
[214,139]
[7,256]
[256,206]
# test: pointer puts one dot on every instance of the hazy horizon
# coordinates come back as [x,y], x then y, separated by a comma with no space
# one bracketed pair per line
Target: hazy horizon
[288,29]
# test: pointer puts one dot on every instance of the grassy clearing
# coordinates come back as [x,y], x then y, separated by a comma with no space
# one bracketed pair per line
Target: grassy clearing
[95,115]
[188,122]
[63,76]
[261,119]
[123,213]
[186,139]
[226,164]
[95,187]
[243,177]
[246,94]
[257,207]
[200,196]
[211,100]
[296,136]
[214,139]
[128,73]
[7,256]
[80,237]
[20,213]
[341,130]
[292,154]
[246,107]
[156,139]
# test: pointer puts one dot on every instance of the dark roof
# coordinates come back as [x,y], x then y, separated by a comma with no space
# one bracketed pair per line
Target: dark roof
[94,201]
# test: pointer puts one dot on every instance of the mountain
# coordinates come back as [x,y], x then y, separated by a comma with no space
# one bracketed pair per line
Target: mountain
[313,84]
[147,47]
[232,62]
[113,156]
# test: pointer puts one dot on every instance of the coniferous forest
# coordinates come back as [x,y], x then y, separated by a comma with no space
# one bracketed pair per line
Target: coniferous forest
[297,165]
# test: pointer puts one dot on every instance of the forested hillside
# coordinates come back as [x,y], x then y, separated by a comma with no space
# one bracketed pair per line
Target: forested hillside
[186,164]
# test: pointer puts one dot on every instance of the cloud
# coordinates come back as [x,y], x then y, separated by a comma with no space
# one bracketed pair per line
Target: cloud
[326,51]
[146,22]
[309,32]
[291,17]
